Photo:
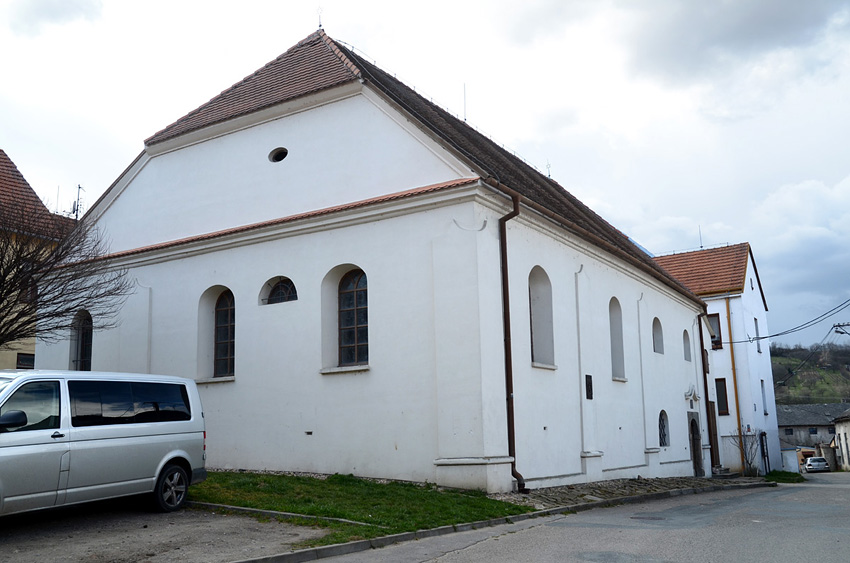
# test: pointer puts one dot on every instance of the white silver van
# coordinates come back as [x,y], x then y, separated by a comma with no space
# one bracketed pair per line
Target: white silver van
[68,437]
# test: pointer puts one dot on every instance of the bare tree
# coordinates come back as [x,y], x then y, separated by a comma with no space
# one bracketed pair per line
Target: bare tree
[52,267]
[747,442]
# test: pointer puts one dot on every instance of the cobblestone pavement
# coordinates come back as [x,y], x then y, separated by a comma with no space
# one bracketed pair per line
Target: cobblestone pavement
[571,495]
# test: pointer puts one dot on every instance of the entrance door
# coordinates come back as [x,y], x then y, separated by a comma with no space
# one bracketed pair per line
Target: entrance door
[696,449]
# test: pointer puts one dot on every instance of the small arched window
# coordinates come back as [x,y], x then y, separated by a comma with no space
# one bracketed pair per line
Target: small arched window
[353,319]
[225,335]
[81,341]
[540,307]
[280,290]
[663,430]
[657,337]
[615,319]
[686,345]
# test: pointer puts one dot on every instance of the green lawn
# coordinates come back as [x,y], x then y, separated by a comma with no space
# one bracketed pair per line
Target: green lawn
[385,508]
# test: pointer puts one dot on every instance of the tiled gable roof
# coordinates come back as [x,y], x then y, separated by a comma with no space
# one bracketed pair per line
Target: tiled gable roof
[318,63]
[809,415]
[312,65]
[711,271]
[20,206]
[15,191]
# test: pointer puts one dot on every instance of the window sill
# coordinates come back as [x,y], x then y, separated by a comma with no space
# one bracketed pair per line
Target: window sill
[215,380]
[344,369]
[620,379]
[539,365]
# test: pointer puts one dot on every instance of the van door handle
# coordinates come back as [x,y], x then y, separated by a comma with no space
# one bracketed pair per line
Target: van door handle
[57,435]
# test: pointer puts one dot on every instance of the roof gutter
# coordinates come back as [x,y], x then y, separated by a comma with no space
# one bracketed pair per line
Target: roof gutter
[659,273]
[506,326]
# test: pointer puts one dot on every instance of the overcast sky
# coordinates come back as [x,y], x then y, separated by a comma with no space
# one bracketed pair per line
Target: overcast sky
[681,122]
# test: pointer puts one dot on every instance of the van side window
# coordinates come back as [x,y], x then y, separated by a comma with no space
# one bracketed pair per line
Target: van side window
[40,401]
[99,403]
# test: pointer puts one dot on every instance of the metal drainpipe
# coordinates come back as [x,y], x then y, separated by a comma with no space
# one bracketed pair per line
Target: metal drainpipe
[735,384]
[712,437]
[506,321]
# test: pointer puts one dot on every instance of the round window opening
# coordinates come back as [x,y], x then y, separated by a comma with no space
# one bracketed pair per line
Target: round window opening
[278,154]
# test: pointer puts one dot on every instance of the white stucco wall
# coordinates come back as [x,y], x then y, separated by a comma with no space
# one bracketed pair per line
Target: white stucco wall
[345,150]
[430,406]
[751,366]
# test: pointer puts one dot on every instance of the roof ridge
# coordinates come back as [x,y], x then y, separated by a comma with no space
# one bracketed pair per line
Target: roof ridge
[263,88]
[338,52]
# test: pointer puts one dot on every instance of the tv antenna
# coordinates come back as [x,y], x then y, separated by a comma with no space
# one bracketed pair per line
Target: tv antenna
[75,208]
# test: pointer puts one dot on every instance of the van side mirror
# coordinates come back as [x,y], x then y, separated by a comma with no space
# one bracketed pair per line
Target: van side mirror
[13,419]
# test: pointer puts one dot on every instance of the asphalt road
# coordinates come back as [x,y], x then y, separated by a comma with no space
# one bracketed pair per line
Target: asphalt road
[790,523]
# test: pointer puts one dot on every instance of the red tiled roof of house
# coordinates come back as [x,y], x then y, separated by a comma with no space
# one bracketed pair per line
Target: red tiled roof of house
[318,62]
[20,206]
[15,191]
[711,271]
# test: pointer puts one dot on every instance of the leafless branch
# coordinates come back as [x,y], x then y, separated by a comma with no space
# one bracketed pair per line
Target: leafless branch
[52,267]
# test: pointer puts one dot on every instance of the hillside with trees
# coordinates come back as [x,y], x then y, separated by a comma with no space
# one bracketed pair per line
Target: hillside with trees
[814,374]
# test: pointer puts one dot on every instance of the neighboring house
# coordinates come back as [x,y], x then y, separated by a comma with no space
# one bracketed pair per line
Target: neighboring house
[17,198]
[740,381]
[362,283]
[841,424]
[808,425]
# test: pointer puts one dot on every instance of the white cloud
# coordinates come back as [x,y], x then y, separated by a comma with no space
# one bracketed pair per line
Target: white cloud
[29,17]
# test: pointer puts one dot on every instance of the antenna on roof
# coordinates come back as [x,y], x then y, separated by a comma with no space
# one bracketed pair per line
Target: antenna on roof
[700,236]
[548,169]
[319,11]
[464,102]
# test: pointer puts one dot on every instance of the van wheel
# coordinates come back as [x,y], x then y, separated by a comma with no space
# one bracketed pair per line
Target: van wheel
[171,488]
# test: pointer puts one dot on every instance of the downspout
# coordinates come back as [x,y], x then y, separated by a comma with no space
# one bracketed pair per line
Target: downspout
[735,384]
[712,422]
[506,322]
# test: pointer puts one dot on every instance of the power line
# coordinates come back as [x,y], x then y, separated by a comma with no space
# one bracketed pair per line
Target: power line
[805,325]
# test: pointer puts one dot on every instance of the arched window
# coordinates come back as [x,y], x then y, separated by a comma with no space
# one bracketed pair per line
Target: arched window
[540,307]
[81,341]
[353,319]
[657,337]
[686,344]
[663,430]
[615,319]
[225,335]
[278,290]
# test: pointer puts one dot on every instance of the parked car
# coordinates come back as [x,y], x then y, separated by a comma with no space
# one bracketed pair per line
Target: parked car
[72,436]
[816,464]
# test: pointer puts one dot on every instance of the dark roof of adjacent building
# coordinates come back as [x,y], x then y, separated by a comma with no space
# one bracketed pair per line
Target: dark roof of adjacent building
[712,271]
[809,415]
[843,416]
[319,63]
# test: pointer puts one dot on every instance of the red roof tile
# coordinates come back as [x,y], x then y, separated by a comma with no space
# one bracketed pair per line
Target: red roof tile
[20,206]
[312,65]
[318,63]
[15,191]
[711,271]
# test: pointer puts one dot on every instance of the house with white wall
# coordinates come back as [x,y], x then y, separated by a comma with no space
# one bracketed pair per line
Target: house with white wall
[740,382]
[841,439]
[361,283]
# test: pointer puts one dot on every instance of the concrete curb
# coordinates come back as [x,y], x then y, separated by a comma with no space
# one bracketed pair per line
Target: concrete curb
[315,553]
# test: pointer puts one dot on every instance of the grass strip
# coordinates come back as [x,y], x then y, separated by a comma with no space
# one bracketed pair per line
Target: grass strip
[784,477]
[384,508]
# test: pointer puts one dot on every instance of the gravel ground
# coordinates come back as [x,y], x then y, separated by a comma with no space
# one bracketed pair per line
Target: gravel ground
[570,495]
[123,531]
